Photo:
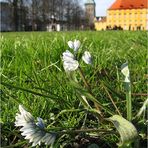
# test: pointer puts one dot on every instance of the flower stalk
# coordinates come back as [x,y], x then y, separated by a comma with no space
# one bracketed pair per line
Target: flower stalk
[126,73]
[128,101]
[87,130]
[97,106]
[83,79]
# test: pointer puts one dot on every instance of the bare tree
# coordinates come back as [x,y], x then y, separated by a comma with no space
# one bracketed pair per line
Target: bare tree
[40,12]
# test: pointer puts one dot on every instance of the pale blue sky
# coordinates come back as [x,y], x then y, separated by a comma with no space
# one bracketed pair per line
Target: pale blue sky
[102,6]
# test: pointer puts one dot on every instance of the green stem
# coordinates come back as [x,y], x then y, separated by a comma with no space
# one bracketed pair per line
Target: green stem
[84,80]
[86,130]
[88,87]
[128,101]
[19,144]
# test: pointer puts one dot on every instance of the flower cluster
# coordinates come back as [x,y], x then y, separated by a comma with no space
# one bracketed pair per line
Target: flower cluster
[34,132]
[70,62]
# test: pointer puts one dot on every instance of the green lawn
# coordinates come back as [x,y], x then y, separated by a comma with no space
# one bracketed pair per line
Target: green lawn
[32,74]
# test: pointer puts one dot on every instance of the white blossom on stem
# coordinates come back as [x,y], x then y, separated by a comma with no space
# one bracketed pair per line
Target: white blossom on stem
[34,132]
[74,45]
[87,57]
[69,62]
[67,56]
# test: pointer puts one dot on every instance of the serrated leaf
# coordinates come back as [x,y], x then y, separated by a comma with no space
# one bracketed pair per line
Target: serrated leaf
[126,129]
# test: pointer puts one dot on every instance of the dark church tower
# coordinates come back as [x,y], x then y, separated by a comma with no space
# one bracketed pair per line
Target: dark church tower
[90,11]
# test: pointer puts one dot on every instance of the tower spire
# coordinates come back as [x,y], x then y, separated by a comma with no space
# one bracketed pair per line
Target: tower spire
[90,11]
[90,2]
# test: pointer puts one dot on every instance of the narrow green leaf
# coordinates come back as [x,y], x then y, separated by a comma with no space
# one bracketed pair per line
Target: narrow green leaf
[126,129]
[143,108]
[28,90]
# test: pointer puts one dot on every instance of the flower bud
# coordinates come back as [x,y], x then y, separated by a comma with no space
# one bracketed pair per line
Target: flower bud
[87,57]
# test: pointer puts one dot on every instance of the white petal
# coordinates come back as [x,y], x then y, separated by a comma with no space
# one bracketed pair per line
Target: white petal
[71,44]
[127,80]
[51,141]
[37,138]
[77,44]
[67,55]
[20,121]
[87,57]
[27,116]
[28,126]
[46,137]
[70,65]
[28,132]
[125,70]
[30,137]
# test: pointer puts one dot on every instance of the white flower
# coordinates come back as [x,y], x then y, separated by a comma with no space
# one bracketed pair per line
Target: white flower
[67,55]
[71,44]
[74,45]
[125,72]
[32,131]
[69,63]
[87,57]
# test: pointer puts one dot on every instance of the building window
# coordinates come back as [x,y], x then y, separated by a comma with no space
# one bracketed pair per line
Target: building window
[130,15]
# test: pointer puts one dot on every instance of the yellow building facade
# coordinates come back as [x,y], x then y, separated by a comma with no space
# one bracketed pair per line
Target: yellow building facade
[126,15]
[128,19]
[100,23]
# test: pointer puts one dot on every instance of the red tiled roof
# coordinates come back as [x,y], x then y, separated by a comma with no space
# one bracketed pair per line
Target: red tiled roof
[129,4]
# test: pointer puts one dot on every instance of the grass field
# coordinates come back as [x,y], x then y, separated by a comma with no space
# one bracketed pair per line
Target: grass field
[32,74]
